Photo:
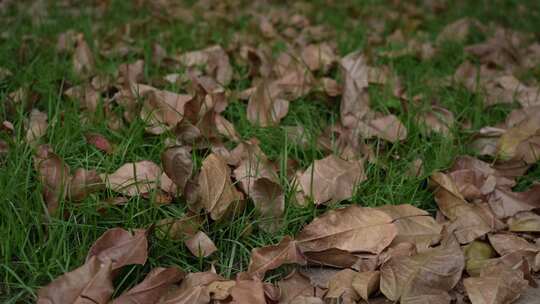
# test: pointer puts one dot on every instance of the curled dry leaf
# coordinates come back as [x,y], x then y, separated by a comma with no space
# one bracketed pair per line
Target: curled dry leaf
[162,110]
[53,173]
[352,229]
[83,59]
[37,126]
[271,257]
[355,99]
[340,288]
[332,179]
[215,60]
[524,222]
[134,178]
[427,276]
[269,201]
[266,107]
[84,182]
[506,203]
[157,282]
[120,247]
[100,142]
[193,290]
[200,245]
[468,221]
[496,285]
[178,165]
[217,193]
[366,283]
[296,286]
[248,291]
[413,225]
[387,127]
[90,283]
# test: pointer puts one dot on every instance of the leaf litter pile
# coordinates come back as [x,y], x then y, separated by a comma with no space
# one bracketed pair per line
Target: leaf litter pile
[480,245]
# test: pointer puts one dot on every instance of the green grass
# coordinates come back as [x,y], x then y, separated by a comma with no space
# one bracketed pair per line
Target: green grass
[34,251]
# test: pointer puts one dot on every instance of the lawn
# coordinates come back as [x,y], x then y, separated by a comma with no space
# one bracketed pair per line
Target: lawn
[37,245]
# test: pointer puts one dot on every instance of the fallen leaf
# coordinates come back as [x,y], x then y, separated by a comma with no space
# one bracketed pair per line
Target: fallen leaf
[271,257]
[269,201]
[506,203]
[120,247]
[265,106]
[318,56]
[437,119]
[477,256]
[217,193]
[90,283]
[158,281]
[162,110]
[133,179]
[178,165]
[179,228]
[366,283]
[37,126]
[332,179]
[84,182]
[340,288]
[387,127]
[220,290]
[505,243]
[296,286]
[83,59]
[53,173]
[355,100]
[426,276]
[100,142]
[353,229]
[413,225]
[200,245]
[458,30]
[524,222]
[248,291]
[215,60]
[499,285]
[193,290]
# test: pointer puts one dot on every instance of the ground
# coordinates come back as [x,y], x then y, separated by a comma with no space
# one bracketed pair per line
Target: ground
[36,249]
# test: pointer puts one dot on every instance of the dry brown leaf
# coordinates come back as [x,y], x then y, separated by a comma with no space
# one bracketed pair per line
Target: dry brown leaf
[468,221]
[477,256]
[506,243]
[269,200]
[90,283]
[162,110]
[387,127]
[458,30]
[178,165]
[296,286]
[271,257]
[437,119]
[157,282]
[266,107]
[193,290]
[37,126]
[134,178]
[506,203]
[355,100]
[226,128]
[498,285]
[83,59]
[248,291]
[427,276]
[200,245]
[414,226]
[220,290]
[524,222]
[353,229]
[215,60]
[217,193]
[120,247]
[332,179]
[366,283]
[131,73]
[53,173]
[331,87]
[340,288]
[178,229]
[99,141]
[84,182]
[318,56]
